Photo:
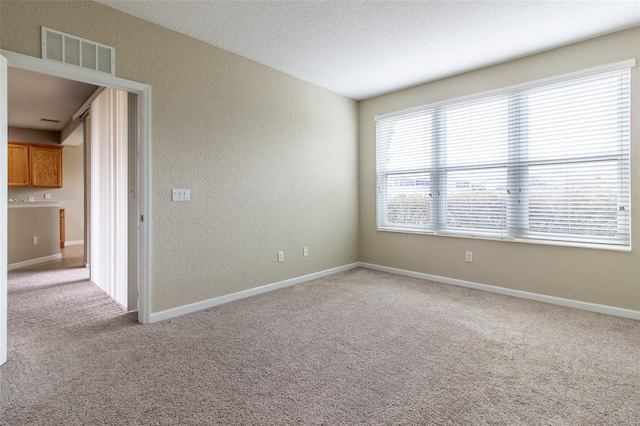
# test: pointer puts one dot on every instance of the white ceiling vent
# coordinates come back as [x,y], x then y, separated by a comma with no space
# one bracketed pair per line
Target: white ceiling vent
[77,51]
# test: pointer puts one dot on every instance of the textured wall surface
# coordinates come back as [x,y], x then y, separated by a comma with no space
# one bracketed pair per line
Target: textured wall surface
[271,160]
[591,275]
[25,223]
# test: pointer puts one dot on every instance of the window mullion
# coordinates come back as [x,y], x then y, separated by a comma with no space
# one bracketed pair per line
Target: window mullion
[439,177]
[623,162]
[517,201]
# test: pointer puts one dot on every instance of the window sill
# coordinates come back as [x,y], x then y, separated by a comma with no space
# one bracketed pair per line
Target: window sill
[625,249]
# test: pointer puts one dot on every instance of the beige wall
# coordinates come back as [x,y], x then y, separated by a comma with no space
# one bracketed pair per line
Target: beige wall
[272,163]
[271,160]
[597,276]
[72,192]
[26,223]
[18,134]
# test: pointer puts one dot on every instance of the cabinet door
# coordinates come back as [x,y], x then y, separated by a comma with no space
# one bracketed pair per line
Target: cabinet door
[46,166]
[18,165]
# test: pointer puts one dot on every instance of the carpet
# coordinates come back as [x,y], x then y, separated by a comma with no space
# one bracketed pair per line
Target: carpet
[359,347]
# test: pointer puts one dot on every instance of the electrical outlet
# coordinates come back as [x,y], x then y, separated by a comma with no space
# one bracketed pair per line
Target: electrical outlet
[280,256]
[34,240]
[468,256]
[32,199]
[47,196]
[305,251]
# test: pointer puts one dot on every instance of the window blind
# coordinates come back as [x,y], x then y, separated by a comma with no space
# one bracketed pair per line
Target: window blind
[544,161]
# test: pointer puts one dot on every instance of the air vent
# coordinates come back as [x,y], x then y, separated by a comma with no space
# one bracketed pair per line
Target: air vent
[77,51]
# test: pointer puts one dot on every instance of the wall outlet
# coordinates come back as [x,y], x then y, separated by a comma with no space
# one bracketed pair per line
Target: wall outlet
[280,256]
[305,251]
[468,256]
[47,196]
[34,240]
[32,198]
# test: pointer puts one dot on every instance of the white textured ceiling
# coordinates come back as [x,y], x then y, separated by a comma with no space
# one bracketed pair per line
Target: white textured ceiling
[361,49]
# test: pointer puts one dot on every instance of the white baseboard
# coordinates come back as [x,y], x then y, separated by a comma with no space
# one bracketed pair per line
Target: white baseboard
[205,304]
[74,243]
[33,261]
[593,307]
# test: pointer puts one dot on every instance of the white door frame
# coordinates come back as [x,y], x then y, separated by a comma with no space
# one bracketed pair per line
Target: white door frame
[3,210]
[143,91]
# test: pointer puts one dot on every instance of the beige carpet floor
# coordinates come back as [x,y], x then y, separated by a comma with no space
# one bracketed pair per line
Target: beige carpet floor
[360,347]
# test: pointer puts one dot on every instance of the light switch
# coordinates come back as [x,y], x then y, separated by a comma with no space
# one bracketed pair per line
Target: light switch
[180,195]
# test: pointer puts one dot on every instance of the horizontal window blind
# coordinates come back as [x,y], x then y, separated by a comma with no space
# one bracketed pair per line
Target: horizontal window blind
[405,161]
[544,162]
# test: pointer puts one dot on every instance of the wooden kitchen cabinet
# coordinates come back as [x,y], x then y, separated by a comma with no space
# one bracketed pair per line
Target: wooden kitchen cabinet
[18,165]
[43,165]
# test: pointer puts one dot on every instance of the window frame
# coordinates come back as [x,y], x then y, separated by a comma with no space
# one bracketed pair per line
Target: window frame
[437,171]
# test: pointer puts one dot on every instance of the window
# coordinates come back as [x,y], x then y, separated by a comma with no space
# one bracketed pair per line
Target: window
[539,162]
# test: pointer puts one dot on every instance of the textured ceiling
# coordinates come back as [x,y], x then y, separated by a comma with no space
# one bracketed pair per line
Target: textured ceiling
[366,48]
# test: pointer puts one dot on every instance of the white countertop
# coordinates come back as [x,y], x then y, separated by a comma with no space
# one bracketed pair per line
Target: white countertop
[31,204]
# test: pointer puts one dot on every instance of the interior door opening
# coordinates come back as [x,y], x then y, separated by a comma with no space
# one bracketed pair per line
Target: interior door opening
[97,181]
[140,255]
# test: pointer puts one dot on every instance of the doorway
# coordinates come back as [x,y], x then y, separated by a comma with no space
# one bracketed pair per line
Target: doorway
[143,234]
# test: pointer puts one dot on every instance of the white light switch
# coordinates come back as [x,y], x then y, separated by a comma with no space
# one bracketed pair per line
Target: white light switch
[180,195]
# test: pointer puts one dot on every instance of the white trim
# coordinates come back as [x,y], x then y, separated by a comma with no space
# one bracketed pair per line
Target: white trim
[30,63]
[84,75]
[3,211]
[577,304]
[629,63]
[144,206]
[74,243]
[30,262]
[205,304]
[32,204]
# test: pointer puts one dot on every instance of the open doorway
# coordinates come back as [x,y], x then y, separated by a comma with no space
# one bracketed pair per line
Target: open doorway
[86,137]
[142,106]
[143,254]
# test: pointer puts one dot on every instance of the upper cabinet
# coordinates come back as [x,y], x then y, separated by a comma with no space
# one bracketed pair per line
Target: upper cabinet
[18,165]
[35,165]
[45,164]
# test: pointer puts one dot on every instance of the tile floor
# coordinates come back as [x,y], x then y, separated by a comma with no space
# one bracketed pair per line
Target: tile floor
[72,257]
